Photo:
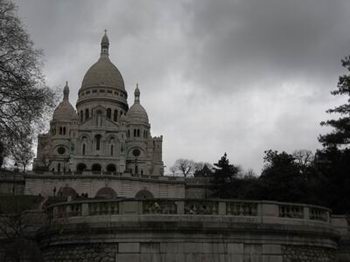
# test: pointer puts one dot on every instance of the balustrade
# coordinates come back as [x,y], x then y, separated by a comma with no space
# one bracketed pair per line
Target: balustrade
[319,214]
[188,207]
[159,207]
[241,209]
[75,210]
[201,207]
[103,208]
[291,211]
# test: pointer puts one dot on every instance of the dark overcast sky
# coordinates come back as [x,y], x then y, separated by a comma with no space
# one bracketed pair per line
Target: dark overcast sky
[238,76]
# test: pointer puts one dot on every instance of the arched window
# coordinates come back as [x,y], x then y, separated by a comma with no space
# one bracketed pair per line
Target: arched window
[81,116]
[138,132]
[59,167]
[111,168]
[81,167]
[84,150]
[112,150]
[106,193]
[109,113]
[60,130]
[67,192]
[64,130]
[98,142]
[86,114]
[144,194]
[115,117]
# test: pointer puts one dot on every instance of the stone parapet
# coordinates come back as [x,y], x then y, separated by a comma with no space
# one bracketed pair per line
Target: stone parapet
[189,230]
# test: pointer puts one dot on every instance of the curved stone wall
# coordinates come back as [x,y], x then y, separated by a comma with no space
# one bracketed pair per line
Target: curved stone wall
[188,230]
[125,185]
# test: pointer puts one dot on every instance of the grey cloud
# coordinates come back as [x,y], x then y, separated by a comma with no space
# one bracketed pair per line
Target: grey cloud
[244,41]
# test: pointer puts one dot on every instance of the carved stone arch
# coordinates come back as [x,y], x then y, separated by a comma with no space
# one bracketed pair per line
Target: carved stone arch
[67,191]
[106,193]
[144,194]
[99,108]
[82,135]
[110,136]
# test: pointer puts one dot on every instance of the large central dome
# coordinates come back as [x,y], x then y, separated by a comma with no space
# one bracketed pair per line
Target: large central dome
[103,84]
[103,73]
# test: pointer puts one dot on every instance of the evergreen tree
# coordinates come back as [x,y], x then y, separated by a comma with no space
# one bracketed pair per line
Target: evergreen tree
[340,136]
[223,177]
[333,161]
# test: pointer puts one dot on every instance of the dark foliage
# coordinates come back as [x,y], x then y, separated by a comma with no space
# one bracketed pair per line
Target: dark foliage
[281,178]
[333,169]
[223,178]
[205,171]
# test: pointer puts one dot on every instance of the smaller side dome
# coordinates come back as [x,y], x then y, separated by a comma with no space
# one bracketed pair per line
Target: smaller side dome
[65,111]
[137,114]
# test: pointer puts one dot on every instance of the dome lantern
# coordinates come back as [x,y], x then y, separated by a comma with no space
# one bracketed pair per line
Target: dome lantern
[66,92]
[137,94]
[104,44]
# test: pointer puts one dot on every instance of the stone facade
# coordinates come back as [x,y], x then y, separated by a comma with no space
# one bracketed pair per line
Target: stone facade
[105,135]
[97,186]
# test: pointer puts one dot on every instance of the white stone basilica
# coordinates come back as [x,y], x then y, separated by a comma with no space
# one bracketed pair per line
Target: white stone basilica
[104,135]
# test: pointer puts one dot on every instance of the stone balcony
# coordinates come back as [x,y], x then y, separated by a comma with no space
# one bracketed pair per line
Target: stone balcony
[188,230]
[253,211]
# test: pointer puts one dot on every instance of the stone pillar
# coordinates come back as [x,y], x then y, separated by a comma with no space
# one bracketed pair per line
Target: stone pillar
[180,207]
[222,208]
[269,209]
[306,213]
[84,209]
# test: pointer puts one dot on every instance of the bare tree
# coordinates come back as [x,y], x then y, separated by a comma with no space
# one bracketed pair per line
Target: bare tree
[22,152]
[185,166]
[173,170]
[24,97]
[303,157]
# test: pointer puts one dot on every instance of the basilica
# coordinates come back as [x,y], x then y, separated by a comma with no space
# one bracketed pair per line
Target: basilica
[103,135]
